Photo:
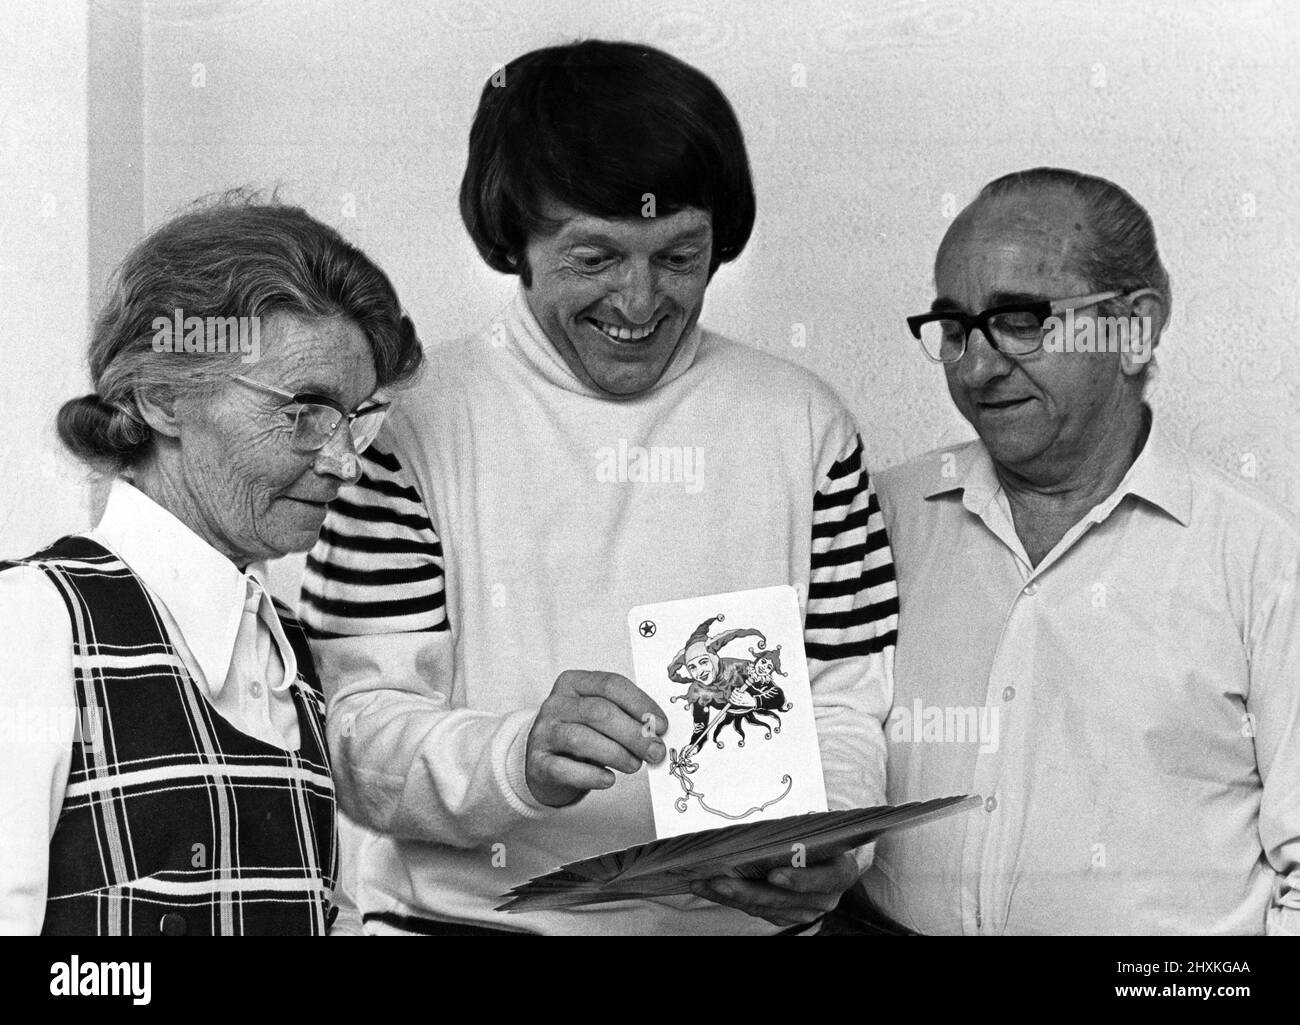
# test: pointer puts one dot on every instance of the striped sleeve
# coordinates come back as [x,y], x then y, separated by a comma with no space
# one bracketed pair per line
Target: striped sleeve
[377,567]
[852,593]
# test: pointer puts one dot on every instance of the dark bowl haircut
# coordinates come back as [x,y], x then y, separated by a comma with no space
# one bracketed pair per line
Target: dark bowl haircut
[597,126]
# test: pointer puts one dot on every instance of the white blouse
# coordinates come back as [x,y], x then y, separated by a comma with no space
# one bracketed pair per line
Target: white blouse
[243,664]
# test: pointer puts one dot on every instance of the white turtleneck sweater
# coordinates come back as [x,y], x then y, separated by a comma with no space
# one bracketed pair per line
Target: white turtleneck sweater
[500,534]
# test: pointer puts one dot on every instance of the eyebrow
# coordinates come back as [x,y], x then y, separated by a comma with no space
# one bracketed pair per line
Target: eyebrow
[946,305]
[600,238]
[316,389]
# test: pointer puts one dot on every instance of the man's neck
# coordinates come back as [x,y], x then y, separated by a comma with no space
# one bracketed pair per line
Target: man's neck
[1045,506]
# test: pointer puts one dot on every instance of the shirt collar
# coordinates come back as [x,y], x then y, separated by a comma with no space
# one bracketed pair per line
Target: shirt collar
[200,588]
[1159,476]
[536,346]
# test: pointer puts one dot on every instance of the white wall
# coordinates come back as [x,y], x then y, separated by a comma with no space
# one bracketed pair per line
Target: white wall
[43,260]
[360,111]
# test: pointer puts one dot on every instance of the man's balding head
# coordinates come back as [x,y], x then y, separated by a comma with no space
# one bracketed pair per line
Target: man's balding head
[1052,236]
[1112,241]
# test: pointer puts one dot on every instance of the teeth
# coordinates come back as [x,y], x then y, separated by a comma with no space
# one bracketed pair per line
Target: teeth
[626,334]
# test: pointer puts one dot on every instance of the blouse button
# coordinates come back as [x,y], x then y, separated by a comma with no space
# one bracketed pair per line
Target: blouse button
[173,924]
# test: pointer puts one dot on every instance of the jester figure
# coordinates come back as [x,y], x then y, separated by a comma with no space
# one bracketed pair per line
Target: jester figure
[737,687]
[760,700]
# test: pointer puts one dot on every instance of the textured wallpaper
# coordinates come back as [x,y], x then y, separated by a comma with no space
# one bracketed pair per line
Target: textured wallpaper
[869,125]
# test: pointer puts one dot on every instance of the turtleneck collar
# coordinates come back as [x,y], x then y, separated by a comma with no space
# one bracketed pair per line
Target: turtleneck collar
[534,346]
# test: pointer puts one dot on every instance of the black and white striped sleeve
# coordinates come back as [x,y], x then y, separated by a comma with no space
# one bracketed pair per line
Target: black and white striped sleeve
[852,592]
[377,567]
[850,632]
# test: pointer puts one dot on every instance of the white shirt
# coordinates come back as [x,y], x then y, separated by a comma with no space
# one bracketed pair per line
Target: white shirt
[1128,708]
[246,675]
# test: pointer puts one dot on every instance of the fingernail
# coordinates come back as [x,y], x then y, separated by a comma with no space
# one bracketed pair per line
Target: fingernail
[726,889]
[781,879]
[656,751]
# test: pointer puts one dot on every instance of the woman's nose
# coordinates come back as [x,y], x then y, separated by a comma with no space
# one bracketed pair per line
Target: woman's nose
[338,456]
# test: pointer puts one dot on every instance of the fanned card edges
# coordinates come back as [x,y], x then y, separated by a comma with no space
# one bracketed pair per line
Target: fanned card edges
[667,867]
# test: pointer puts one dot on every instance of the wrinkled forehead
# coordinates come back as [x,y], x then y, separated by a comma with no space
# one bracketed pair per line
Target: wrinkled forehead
[1026,242]
[568,225]
[327,356]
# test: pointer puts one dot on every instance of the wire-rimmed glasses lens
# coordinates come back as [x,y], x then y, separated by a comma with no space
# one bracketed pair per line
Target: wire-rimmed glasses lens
[316,424]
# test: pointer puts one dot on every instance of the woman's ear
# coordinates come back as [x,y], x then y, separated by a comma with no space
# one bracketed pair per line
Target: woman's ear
[158,409]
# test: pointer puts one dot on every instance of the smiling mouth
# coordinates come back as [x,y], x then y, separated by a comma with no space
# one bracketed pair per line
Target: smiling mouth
[617,333]
[1004,404]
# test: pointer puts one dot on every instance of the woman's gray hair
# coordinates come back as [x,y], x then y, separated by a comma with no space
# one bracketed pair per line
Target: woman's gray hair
[235,255]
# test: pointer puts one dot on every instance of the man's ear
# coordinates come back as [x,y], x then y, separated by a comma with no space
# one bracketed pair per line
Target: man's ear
[1148,313]
[158,408]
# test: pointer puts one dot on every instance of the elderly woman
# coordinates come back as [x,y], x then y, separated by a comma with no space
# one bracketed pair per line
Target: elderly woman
[190,789]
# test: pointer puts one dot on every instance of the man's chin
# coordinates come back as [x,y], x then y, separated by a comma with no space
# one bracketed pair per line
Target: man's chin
[624,382]
[1015,451]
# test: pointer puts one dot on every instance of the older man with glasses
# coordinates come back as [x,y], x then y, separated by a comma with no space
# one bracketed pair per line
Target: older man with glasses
[1098,632]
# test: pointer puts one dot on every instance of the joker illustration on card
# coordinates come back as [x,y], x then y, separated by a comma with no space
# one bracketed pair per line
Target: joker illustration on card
[725,691]
[730,672]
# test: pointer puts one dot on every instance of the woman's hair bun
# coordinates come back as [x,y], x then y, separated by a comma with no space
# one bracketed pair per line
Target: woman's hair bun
[101,432]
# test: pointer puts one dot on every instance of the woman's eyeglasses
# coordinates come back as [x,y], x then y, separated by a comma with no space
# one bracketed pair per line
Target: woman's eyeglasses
[317,418]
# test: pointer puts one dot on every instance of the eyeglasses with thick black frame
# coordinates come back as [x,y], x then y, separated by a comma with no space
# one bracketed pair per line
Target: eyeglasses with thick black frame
[318,417]
[1014,329]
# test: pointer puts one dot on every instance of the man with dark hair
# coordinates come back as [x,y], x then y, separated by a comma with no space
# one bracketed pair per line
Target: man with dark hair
[640,116]
[1099,632]
[468,596]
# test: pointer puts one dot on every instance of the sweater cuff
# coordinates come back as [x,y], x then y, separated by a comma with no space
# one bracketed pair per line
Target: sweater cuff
[516,790]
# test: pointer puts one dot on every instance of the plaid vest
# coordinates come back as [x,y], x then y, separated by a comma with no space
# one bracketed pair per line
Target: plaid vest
[174,821]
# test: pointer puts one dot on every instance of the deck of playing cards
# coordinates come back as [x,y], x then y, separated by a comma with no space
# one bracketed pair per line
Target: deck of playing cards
[667,867]
[741,791]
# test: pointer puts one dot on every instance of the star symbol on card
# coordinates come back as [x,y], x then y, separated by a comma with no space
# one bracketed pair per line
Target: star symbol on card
[647,628]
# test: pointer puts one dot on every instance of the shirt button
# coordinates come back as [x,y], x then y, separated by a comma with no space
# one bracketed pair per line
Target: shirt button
[255,688]
[1008,693]
[991,804]
[1031,589]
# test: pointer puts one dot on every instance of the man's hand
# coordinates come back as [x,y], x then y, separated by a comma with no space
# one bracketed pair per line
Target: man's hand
[790,896]
[591,723]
